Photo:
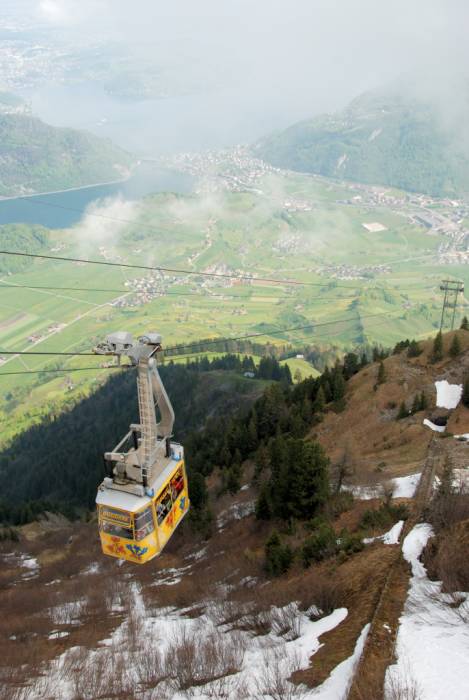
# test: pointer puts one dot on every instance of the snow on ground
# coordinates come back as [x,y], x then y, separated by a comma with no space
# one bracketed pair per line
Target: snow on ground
[29,563]
[404,487]
[448,395]
[261,660]
[464,436]
[390,537]
[336,687]
[433,638]
[235,512]
[432,426]
[460,480]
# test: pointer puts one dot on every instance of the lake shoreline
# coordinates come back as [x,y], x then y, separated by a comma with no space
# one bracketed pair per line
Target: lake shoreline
[68,189]
[64,208]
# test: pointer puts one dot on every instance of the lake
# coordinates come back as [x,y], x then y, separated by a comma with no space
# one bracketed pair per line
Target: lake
[64,209]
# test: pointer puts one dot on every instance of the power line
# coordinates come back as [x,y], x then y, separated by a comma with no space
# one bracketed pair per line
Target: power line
[309,335]
[215,292]
[71,369]
[85,369]
[206,297]
[159,293]
[182,271]
[34,352]
[208,342]
[223,275]
[34,200]
[279,332]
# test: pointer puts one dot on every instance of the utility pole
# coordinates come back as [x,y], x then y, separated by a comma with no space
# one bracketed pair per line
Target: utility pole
[451,289]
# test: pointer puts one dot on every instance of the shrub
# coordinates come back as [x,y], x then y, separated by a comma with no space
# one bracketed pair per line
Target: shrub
[414,349]
[455,347]
[350,543]
[320,545]
[437,351]
[386,515]
[278,557]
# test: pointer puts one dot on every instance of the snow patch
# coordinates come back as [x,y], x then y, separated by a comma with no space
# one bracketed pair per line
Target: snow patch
[261,658]
[30,563]
[433,638]
[235,512]
[432,426]
[403,487]
[390,537]
[338,684]
[448,395]
[406,486]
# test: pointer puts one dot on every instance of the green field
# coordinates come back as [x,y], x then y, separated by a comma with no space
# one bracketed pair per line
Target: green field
[227,232]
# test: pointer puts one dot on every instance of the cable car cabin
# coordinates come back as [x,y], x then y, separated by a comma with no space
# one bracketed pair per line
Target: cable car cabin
[145,496]
[135,527]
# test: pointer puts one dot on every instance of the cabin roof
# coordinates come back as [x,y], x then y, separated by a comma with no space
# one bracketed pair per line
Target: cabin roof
[116,498]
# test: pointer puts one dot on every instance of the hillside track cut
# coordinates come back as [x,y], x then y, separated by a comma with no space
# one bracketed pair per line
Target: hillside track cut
[379,651]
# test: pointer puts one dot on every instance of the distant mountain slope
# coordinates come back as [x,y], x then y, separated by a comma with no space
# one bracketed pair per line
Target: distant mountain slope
[37,157]
[383,137]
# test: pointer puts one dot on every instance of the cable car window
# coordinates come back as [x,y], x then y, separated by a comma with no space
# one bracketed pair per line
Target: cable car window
[177,484]
[164,505]
[144,524]
[117,530]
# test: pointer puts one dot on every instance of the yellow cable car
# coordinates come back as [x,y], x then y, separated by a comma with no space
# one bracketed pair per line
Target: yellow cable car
[145,497]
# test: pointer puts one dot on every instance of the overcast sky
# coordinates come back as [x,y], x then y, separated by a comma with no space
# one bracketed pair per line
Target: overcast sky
[285,59]
[314,50]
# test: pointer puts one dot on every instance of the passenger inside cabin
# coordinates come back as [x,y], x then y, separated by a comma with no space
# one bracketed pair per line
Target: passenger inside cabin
[177,484]
[164,505]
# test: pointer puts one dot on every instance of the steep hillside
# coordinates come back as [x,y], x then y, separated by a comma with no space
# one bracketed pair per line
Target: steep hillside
[379,445]
[304,602]
[383,137]
[37,157]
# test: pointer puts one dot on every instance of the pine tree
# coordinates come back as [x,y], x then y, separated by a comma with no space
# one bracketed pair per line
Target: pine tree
[416,404]
[297,376]
[381,374]
[437,351]
[414,349]
[252,439]
[465,392]
[278,557]
[455,348]
[465,324]
[423,402]
[319,402]
[338,385]
[263,506]
[403,412]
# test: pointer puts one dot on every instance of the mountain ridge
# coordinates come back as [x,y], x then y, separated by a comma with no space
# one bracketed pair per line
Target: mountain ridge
[36,157]
[389,136]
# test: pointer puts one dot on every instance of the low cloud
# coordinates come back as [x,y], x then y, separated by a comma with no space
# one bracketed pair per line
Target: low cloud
[103,223]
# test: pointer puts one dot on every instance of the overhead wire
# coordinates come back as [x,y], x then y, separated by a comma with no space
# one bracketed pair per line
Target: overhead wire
[65,369]
[184,271]
[309,335]
[166,357]
[213,341]
[174,270]
[278,332]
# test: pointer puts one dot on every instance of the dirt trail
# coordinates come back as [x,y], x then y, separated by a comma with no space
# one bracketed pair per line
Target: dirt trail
[378,653]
